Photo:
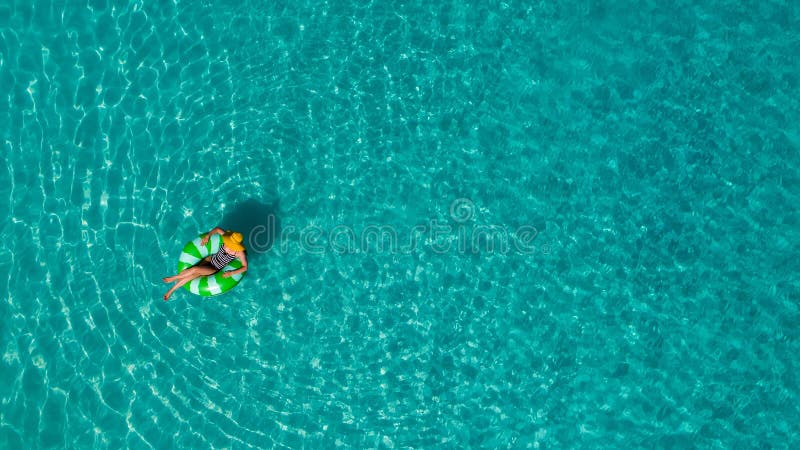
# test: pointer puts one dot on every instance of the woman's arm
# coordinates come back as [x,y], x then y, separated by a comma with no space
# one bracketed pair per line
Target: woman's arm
[215,230]
[242,269]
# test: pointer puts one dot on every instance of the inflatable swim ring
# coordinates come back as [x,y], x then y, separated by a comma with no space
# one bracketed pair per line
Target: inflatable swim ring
[208,285]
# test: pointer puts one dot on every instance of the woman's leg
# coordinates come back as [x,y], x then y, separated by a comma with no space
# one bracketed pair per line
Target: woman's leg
[190,274]
[204,262]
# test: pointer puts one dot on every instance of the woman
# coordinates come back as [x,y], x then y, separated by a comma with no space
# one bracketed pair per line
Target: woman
[231,249]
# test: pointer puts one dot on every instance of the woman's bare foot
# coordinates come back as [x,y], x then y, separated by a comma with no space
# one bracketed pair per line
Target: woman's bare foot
[166,296]
[171,279]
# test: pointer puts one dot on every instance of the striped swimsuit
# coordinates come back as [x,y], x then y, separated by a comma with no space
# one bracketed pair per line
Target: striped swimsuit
[221,259]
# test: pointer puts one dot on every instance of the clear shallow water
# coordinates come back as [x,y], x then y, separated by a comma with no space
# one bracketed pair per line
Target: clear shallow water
[654,148]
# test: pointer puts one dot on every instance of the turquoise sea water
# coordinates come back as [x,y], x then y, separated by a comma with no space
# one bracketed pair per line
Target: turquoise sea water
[652,146]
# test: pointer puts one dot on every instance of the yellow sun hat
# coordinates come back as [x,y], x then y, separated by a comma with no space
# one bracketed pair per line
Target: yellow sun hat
[233,240]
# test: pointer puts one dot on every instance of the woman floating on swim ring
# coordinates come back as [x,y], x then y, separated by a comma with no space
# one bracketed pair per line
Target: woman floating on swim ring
[230,250]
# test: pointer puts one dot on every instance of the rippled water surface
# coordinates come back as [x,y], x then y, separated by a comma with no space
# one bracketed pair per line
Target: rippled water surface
[645,154]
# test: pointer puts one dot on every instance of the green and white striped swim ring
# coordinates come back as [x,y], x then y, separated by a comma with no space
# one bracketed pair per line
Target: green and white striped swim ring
[208,285]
